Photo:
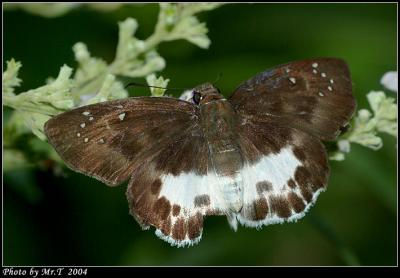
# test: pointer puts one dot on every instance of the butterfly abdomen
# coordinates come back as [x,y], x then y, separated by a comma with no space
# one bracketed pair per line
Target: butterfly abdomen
[218,122]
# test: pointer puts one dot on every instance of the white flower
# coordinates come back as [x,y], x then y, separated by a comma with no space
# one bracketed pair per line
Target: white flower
[159,84]
[364,115]
[344,146]
[389,80]
[84,99]
[187,95]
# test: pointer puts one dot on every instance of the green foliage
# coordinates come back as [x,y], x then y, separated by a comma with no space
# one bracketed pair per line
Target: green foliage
[57,9]
[36,106]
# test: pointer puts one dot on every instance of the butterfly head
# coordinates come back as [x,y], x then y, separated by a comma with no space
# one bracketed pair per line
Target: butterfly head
[206,93]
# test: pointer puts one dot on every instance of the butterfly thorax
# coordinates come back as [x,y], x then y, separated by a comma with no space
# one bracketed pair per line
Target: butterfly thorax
[207,93]
[218,124]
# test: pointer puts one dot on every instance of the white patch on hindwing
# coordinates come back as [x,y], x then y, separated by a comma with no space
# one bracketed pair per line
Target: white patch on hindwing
[275,169]
[184,188]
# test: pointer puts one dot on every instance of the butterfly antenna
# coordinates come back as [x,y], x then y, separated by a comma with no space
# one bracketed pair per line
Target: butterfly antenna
[134,84]
[218,78]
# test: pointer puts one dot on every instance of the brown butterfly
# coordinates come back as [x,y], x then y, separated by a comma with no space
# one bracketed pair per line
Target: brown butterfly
[256,157]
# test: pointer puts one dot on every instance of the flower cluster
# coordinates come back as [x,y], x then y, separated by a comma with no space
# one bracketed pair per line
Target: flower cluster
[366,124]
[94,79]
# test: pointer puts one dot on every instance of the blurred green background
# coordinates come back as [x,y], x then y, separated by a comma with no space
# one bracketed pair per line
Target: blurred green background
[77,220]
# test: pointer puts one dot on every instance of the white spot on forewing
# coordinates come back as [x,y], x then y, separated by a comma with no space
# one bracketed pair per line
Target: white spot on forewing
[331,81]
[315,65]
[121,116]
[321,94]
[86,113]
[78,134]
[86,140]
[314,71]
[329,88]
[83,125]
[323,74]
[91,119]
[293,80]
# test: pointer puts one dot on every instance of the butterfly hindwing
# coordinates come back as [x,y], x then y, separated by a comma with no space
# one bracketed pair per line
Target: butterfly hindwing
[312,95]
[174,203]
[284,171]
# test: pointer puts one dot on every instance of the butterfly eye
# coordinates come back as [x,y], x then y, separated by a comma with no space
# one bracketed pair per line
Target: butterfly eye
[196,97]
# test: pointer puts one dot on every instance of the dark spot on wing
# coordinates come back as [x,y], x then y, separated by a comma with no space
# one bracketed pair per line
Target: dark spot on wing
[162,208]
[291,183]
[166,226]
[195,226]
[156,187]
[296,202]
[260,209]
[317,184]
[306,192]
[202,200]
[179,229]
[302,175]
[176,209]
[263,186]
[280,206]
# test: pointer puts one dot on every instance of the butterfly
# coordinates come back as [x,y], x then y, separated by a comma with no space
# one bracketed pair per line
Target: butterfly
[256,157]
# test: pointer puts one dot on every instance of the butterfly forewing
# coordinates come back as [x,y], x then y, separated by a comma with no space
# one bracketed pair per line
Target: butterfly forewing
[312,95]
[109,140]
